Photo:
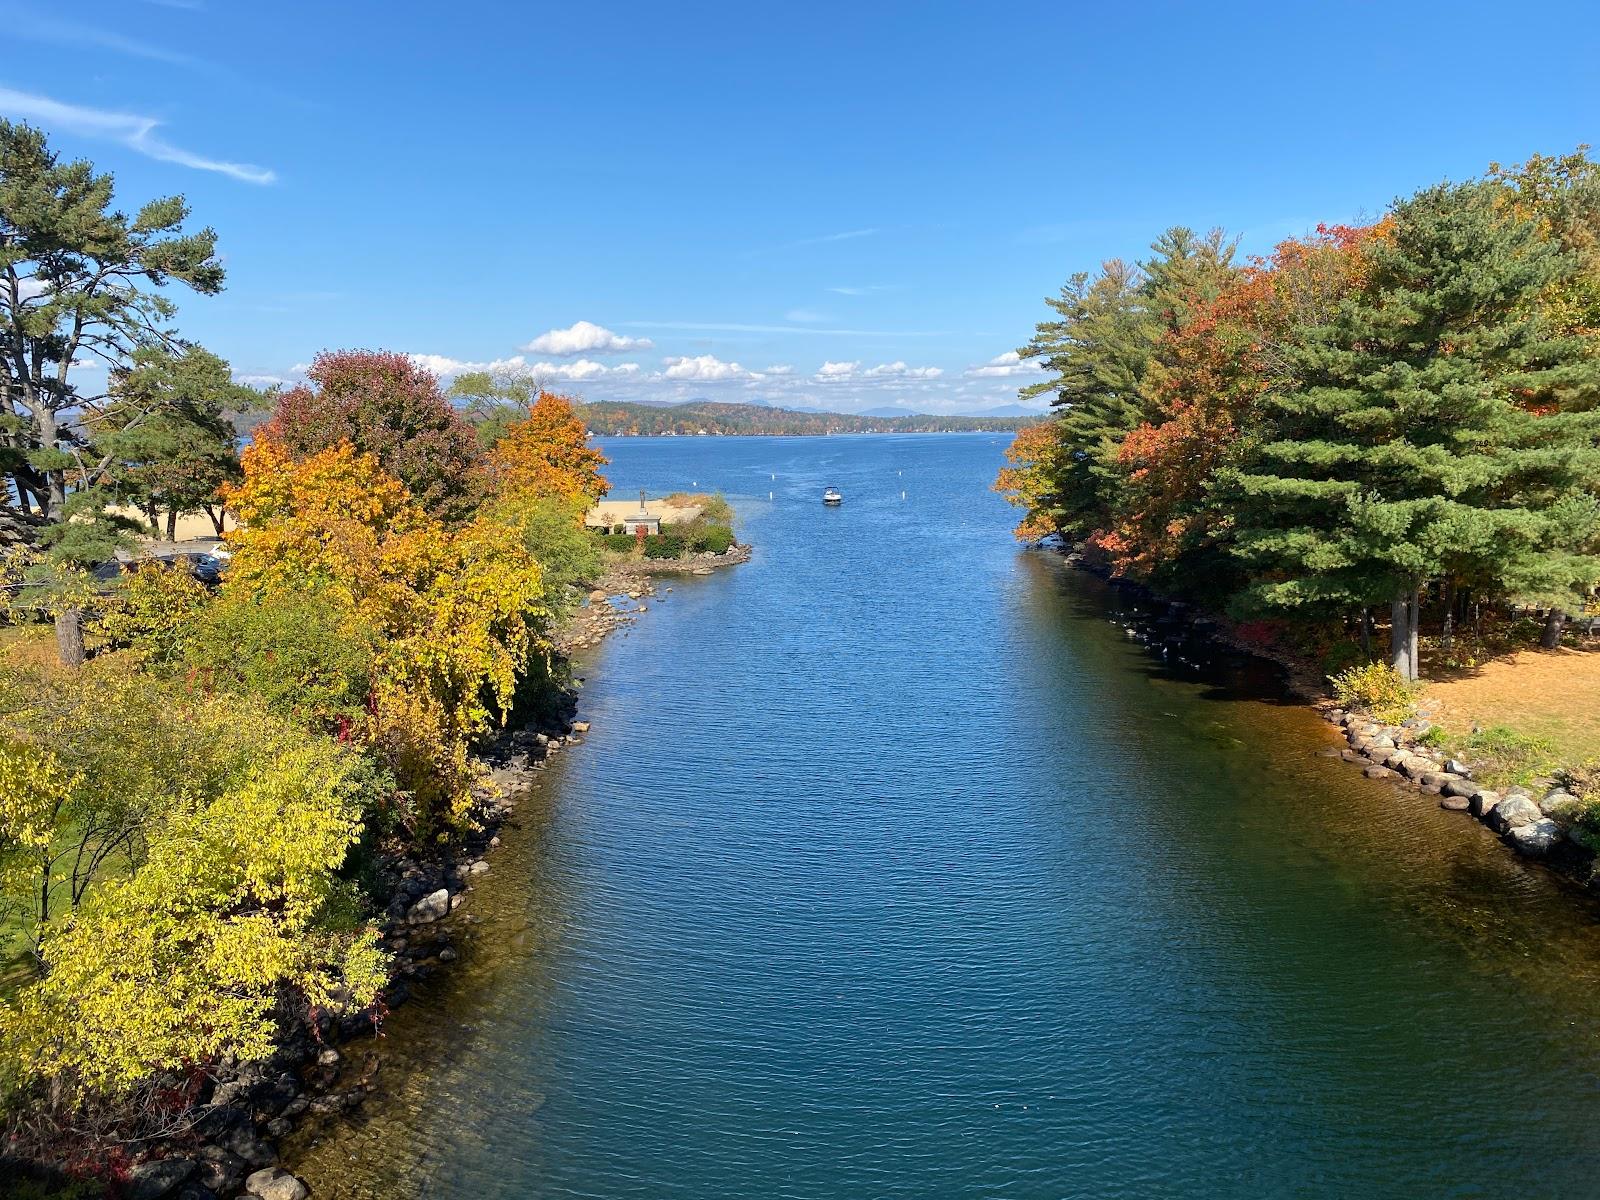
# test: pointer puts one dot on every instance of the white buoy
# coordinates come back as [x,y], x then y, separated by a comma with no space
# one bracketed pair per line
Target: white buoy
[902,495]
[769,495]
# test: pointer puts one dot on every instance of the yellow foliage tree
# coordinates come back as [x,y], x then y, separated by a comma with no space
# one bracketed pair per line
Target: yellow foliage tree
[453,614]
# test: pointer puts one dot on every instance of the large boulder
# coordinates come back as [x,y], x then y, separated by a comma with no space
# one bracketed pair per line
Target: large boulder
[1512,813]
[430,908]
[158,1178]
[1537,838]
[274,1183]
[1561,805]
[1461,786]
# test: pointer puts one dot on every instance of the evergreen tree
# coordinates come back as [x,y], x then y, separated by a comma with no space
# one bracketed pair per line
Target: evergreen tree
[1111,328]
[1434,429]
[166,438]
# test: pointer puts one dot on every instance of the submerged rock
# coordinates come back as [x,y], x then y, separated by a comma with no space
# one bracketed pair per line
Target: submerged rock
[274,1183]
[1453,803]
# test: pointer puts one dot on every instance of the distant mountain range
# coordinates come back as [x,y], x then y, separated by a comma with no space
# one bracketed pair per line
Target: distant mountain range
[612,418]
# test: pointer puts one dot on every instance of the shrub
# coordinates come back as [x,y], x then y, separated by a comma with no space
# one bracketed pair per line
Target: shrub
[664,545]
[714,507]
[619,542]
[1377,688]
[153,611]
[553,532]
[716,540]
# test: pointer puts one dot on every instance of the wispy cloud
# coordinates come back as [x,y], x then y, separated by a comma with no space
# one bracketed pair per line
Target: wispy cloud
[848,235]
[135,132]
[864,289]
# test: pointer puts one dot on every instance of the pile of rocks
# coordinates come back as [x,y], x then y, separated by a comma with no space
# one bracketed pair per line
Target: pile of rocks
[1537,828]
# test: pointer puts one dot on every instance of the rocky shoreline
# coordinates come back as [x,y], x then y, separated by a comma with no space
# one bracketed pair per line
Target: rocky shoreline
[227,1146]
[1539,823]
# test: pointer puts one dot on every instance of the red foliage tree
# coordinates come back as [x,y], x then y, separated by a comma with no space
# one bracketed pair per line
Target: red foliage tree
[387,406]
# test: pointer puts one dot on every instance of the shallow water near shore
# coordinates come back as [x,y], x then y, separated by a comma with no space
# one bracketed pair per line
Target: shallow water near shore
[894,866]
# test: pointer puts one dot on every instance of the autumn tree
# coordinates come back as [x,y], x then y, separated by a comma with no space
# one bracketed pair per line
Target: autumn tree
[1098,354]
[387,406]
[546,453]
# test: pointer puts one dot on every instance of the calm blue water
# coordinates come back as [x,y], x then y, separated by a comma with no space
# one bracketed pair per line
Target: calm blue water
[894,867]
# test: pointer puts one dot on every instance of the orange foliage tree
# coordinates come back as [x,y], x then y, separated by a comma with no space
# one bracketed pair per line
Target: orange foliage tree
[1204,384]
[546,454]
[1028,482]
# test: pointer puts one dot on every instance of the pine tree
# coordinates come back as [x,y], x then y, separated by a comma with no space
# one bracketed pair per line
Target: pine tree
[1111,327]
[1434,428]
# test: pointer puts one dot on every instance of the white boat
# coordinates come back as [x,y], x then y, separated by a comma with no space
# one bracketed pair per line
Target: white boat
[832,496]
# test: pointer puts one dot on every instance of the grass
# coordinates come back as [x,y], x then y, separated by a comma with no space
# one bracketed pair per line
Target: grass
[1535,707]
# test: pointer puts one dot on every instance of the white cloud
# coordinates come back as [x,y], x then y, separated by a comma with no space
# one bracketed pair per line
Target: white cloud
[263,381]
[584,337]
[583,369]
[704,368]
[780,369]
[899,370]
[31,288]
[1004,366]
[573,372]
[135,132]
[445,367]
[837,370]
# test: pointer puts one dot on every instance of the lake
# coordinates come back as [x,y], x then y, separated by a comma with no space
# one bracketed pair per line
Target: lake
[894,866]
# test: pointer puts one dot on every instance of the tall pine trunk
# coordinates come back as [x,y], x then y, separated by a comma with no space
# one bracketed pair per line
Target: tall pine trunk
[69,637]
[1447,637]
[1554,622]
[1366,631]
[1403,634]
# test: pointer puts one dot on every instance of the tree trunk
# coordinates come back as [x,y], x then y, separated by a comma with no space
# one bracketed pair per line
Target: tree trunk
[1415,611]
[216,514]
[1366,632]
[1403,634]
[1447,638]
[54,496]
[1554,622]
[172,524]
[69,637]
[1400,637]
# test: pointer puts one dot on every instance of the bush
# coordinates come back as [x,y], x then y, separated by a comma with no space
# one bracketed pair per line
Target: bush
[552,531]
[1377,688]
[153,611]
[714,507]
[664,545]
[619,542]
[716,540]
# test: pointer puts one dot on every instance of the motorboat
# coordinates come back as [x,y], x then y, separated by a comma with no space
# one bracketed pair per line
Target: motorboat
[832,496]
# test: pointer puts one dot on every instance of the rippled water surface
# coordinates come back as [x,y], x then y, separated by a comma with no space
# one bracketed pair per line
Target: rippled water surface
[895,867]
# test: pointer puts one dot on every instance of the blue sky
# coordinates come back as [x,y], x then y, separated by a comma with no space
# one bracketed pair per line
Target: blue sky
[846,206]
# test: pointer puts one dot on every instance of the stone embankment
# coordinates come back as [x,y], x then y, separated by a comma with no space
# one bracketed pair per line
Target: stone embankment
[1538,823]
[245,1109]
